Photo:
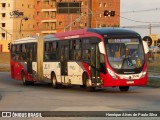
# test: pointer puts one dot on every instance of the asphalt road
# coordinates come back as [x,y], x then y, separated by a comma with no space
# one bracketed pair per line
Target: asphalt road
[42,97]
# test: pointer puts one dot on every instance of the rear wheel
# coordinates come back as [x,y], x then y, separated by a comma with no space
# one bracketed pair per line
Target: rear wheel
[54,81]
[124,88]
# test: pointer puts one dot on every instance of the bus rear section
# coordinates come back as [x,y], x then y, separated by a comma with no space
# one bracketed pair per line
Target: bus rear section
[23,59]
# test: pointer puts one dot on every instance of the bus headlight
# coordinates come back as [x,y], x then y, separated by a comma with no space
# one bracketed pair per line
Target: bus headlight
[113,75]
[143,73]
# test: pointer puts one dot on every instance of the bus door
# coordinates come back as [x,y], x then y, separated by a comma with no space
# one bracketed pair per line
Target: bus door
[95,64]
[64,64]
[29,58]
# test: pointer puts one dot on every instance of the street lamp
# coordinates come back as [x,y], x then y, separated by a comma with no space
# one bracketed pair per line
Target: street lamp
[21,25]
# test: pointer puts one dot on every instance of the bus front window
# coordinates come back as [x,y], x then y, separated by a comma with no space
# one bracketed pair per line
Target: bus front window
[125,53]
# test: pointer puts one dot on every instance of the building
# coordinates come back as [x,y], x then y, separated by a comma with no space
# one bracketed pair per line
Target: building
[19,18]
[13,24]
[52,16]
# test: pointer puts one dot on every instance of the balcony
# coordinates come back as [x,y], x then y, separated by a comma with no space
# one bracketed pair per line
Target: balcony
[44,21]
[49,32]
[49,4]
[47,15]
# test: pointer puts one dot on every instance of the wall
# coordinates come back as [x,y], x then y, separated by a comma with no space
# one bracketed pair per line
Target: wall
[4,44]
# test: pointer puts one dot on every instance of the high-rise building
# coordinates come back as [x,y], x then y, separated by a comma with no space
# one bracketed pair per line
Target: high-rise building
[16,19]
[19,18]
[52,16]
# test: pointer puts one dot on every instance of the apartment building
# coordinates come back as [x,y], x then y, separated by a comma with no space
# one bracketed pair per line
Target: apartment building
[52,16]
[13,22]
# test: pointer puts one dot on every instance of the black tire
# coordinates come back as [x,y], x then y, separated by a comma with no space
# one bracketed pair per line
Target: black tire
[84,78]
[54,81]
[25,82]
[124,88]
[83,86]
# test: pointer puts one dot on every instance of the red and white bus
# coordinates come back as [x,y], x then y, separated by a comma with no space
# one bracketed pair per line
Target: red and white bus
[93,57]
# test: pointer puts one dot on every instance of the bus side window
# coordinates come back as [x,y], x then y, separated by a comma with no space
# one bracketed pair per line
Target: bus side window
[13,51]
[71,49]
[77,50]
[46,51]
[75,47]
[86,53]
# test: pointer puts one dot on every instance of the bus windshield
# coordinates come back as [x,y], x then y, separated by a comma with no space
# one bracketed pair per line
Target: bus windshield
[125,53]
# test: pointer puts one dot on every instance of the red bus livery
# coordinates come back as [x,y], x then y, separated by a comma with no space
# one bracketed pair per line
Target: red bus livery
[93,57]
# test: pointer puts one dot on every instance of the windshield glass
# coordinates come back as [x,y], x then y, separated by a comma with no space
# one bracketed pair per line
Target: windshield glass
[125,53]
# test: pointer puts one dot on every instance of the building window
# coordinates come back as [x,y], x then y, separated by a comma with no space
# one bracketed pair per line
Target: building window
[100,4]
[3,35]
[22,5]
[8,5]
[38,13]
[3,15]
[37,23]
[60,23]
[38,2]
[82,3]
[30,6]
[100,15]
[3,24]
[3,5]
[105,4]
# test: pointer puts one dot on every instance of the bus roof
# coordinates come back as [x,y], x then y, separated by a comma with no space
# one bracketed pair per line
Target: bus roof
[109,32]
[25,40]
[114,32]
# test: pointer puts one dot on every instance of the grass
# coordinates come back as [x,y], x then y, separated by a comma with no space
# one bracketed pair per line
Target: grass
[155,82]
[155,64]
[4,62]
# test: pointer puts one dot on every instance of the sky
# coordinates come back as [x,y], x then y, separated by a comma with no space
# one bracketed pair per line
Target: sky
[141,16]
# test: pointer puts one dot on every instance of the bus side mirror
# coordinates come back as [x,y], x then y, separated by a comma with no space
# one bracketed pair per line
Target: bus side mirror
[146,48]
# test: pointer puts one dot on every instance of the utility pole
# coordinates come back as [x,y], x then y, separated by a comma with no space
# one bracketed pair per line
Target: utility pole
[21,25]
[89,15]
[150,29]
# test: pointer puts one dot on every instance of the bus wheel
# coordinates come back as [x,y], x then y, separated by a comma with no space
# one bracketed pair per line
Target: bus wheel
[90,88]
[54,81]
[84,78]
[25,82]
[124,88]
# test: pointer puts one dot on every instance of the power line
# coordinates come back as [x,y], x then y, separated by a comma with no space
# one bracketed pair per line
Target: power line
[145,10]
[143,26]
[135,20]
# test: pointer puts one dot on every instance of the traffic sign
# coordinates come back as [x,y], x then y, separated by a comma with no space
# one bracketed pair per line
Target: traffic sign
[148,39]
[154,37]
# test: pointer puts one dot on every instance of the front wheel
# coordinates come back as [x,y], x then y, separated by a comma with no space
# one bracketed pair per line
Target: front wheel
[89,86]
[124,88]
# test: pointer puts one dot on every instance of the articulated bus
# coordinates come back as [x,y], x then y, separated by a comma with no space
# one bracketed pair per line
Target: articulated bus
[90,58]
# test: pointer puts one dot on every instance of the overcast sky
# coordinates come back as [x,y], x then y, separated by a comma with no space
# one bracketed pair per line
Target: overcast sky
[145,16]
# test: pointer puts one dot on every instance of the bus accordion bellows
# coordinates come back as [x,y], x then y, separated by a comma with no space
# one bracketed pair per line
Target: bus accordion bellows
[92,57]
